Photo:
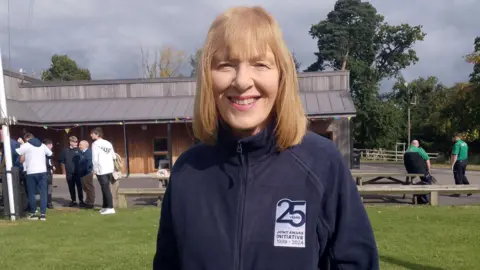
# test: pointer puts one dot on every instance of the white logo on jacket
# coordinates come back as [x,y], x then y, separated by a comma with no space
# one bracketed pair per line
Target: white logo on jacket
[290,220]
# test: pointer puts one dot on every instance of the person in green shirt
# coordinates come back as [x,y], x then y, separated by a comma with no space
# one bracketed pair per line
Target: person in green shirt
[415,147]
[459,160]
[416,160]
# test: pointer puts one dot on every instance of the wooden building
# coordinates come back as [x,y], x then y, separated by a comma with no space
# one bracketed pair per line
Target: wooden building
[148,121]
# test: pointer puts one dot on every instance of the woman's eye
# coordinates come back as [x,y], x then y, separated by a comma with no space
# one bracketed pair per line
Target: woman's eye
[225,65]
[261,65]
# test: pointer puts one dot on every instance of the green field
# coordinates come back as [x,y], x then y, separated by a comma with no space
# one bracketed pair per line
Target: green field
[409,237]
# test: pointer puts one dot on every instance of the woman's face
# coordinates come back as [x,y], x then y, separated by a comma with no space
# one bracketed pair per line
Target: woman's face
[245,91]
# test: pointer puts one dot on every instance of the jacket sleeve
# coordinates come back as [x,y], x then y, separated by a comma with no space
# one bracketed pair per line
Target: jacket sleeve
[94,158]
[351,244]
[61,158]
[166,256]
[88,156]
[47,151]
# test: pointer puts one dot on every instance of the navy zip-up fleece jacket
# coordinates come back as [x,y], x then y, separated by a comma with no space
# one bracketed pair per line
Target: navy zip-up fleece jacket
[242,205]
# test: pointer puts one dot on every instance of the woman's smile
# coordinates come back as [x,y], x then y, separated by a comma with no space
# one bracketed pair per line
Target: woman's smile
[243,103]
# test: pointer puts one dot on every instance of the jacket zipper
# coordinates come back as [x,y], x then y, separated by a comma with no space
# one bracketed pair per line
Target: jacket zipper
[241,207]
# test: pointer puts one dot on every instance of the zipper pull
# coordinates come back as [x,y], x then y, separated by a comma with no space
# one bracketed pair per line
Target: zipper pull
[239,148]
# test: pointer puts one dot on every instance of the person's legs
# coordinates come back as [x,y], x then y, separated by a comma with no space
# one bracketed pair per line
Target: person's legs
[41,180]
[24,192]
[103,181]
[463,170]
[78,184]
[31,191]
[107,205]
[464,177]
[88,187]
[423,198]
[457,173]
[71,189]
[49,190]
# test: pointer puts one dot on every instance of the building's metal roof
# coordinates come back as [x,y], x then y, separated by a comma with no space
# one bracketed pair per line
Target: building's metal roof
[22,111]
[325,103]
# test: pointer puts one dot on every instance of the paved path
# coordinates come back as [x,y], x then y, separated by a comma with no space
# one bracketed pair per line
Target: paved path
[61,195]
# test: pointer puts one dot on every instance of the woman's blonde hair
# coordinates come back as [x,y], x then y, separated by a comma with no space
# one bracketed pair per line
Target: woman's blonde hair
[245,33]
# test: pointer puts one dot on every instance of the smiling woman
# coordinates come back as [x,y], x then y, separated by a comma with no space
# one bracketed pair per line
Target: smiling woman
[259,191]
[246,69]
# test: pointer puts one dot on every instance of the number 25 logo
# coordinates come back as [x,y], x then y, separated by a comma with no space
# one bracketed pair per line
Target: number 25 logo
[292,215]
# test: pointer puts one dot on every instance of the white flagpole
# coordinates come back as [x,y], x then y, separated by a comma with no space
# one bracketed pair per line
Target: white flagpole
[6,141]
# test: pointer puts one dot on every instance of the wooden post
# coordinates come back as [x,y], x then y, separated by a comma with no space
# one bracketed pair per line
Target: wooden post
[169,142]
[125,145]
[122,201]
[434,198]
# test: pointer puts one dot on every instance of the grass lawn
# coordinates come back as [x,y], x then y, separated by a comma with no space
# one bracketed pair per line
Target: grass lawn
[426,238]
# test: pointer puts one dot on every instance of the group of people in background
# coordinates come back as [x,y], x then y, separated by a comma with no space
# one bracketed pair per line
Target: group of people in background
[416,160]
[34,160]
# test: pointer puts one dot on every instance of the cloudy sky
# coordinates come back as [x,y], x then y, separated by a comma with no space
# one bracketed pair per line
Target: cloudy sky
[106,36]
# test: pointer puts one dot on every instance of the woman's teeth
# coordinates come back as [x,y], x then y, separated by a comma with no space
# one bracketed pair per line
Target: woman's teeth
[244,101]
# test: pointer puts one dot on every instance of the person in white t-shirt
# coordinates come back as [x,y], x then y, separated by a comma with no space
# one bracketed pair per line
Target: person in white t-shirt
[103,166]
[33,155]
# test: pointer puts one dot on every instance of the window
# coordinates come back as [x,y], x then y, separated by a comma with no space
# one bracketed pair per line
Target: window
[160,153]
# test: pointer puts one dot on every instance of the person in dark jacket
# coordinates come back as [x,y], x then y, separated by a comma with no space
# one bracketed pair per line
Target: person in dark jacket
[14,144]
[86,173]
[50,171]
[69,159]
[260,191]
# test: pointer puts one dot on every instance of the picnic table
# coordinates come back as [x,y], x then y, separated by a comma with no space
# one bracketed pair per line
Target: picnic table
[393,177]
[374,177]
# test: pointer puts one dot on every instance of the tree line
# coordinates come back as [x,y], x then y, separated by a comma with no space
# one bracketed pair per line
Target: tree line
[355,37]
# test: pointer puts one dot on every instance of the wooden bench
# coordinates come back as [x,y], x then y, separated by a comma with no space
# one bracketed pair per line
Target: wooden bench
[433,190]
[123,193]
[391,176]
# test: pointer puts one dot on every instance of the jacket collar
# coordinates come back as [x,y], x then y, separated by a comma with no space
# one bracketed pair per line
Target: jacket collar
[252,148]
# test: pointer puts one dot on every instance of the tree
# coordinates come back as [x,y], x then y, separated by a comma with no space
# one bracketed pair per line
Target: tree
[63,68]
[355,37]
[425,96]
[297,63]
[167,63]
[194,60]
[474,58]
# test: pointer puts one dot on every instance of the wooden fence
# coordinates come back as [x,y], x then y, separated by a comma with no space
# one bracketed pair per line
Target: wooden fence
[386,155]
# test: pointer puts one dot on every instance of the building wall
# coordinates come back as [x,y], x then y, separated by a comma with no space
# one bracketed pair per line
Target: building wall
[12,81]
[340,133]
[98,89]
